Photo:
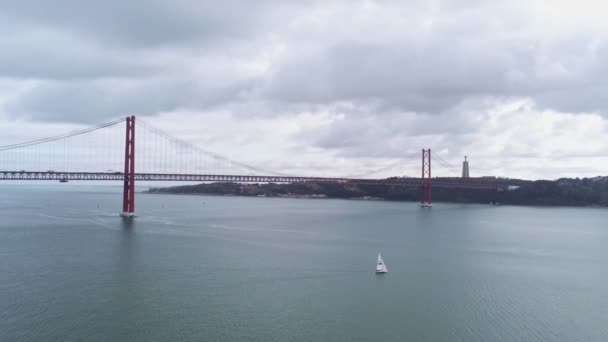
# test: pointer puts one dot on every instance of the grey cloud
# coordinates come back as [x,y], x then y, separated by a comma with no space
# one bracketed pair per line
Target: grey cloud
[459,59]
[100,59]
[440,73]
[576,78]
[395,134]
[109,58]
[428,77]
[143,23]
[48,55]
[69,39]
[88,101]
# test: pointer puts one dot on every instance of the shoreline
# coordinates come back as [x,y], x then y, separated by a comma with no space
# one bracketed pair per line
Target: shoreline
[317,197]
[375,200]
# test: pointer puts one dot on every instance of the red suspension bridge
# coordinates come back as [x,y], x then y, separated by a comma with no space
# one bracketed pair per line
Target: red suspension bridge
[100,154]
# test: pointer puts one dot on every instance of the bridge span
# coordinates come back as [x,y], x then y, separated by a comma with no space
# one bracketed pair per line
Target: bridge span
[81,154]
[470,183]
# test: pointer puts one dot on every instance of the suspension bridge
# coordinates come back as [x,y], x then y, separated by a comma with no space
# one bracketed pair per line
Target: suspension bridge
[108,153]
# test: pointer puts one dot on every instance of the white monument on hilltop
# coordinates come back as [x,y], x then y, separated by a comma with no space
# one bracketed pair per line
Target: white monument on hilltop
[465,168]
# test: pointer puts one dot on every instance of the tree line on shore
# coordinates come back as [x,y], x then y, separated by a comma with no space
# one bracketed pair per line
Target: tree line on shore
[562,192]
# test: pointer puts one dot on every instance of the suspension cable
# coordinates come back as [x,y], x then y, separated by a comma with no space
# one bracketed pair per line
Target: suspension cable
[446,165]
[409,156]
[195,148]
[59,137]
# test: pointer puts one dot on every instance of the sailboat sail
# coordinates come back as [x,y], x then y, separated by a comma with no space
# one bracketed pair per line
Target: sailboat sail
[380,265]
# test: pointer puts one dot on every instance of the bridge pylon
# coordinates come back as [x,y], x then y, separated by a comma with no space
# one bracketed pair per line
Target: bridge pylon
[426,190]
[128,192]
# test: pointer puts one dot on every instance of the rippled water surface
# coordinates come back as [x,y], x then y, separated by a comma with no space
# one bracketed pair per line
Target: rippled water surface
[198,268]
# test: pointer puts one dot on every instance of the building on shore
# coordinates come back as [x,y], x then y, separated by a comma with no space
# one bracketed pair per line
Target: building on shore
[465,168]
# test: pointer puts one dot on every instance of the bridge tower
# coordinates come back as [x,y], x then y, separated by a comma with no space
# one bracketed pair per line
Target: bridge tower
[426,199]
[128,194]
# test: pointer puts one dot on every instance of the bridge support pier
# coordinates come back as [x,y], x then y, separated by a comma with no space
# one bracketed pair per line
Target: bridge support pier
[128,192]
[426,198]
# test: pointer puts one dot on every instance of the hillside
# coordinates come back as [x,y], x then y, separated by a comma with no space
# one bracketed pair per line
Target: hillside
[562,192]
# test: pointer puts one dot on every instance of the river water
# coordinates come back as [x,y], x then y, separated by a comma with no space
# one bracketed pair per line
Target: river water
[202,268]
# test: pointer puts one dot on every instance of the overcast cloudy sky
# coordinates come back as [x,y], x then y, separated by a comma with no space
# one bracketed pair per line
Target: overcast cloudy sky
[322,87]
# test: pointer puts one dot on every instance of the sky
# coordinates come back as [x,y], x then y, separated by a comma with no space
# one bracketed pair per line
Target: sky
[328,88]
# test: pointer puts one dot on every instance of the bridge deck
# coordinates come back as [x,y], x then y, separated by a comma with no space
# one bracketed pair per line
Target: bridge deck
[470,183]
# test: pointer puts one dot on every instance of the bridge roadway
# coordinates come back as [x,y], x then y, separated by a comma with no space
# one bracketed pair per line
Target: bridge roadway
[465,183]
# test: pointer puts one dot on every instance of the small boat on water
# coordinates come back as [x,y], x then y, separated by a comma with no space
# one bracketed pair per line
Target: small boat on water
[381,266]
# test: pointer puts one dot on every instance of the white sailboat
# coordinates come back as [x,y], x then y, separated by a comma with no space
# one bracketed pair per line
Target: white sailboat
[381,266]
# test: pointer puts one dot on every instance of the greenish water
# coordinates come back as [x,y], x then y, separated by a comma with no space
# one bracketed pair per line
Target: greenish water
[193,268]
